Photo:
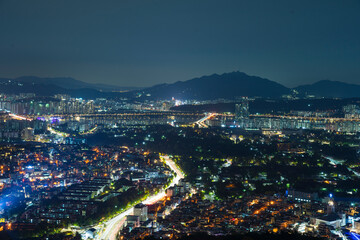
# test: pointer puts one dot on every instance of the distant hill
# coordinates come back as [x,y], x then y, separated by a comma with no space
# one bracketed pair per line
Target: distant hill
[52,86]
[9,86]
[227,85]
[66,83]
[330,89]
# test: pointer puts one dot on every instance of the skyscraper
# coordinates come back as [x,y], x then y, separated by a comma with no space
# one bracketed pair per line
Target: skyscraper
[242,109]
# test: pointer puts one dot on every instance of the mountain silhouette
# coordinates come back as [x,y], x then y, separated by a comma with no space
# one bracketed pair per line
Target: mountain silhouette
[227,85]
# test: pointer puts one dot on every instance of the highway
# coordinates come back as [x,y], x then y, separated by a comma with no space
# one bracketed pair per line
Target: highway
[340,162]
[201,122]
[109,229]
[91,131]
[56,132]
[18,117]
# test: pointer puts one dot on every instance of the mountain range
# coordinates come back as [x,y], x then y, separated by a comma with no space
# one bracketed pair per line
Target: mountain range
[227,86]
[237,84]
[330,89]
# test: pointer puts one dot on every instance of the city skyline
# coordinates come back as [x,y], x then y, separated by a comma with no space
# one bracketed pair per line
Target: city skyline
[179,120]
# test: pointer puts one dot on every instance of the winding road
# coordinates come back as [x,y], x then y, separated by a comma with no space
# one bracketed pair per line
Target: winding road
[109,229]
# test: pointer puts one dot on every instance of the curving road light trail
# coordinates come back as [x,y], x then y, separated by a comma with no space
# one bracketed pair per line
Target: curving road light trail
[109,229]
[201,122]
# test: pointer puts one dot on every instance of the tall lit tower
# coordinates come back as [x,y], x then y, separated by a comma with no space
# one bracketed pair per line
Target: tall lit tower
[331,205]
[242,109]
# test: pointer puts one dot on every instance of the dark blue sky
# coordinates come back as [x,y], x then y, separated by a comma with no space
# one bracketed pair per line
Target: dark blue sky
[141,43]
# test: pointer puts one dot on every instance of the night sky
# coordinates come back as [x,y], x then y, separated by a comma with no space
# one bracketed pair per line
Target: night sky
[142,43]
